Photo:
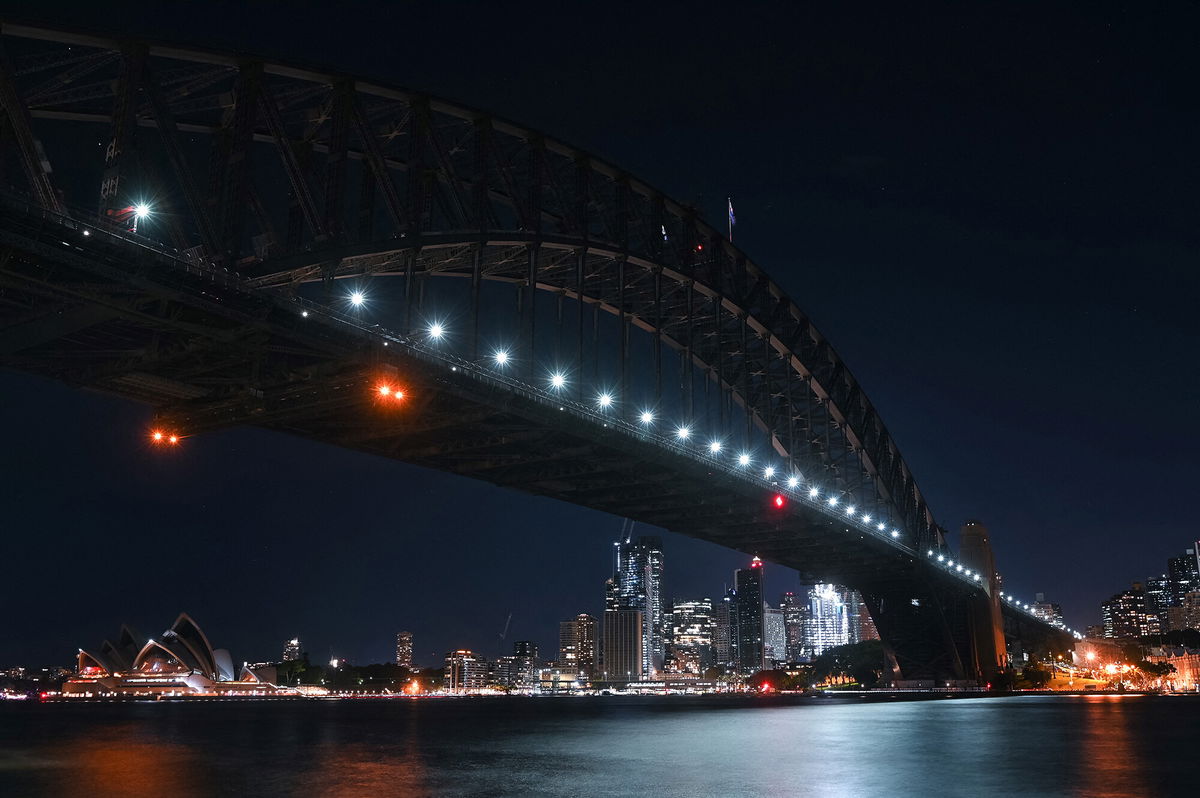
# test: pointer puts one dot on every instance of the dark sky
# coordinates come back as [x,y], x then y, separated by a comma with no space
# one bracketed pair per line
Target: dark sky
[990,209]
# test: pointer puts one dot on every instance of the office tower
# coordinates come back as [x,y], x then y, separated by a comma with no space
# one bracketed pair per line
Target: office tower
[639,587]
[585,646]
[623,637]
[568,644]
[794,613]
[291,650]
[692,636]
[1159,598]
[748,584]
[404,650]
[464,671]
[828,619]
[1048,611]
[1184,573]
[853,606]
[722,633]
[1185,616]
[1126,614]
[774,637]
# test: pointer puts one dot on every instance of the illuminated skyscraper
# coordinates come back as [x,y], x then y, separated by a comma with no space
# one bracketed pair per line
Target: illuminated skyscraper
[404,650]
[723,613]
[829,620]
[692,635]
[291,650]
[639,587]
[623,636]
[464,671]
[774,637]
[577,644]
[1184,573]
[1126,615]
[748,585]
[794,613]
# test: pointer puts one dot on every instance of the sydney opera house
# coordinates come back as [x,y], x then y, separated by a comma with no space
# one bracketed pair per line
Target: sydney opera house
[179,662]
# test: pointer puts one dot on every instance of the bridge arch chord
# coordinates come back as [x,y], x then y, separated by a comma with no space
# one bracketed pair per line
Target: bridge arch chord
[293,175]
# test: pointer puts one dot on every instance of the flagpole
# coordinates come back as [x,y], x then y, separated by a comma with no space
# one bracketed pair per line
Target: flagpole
[729,215]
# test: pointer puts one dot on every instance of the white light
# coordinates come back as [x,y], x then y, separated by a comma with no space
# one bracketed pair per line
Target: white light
[357,298]
[950,563]
[895,533]
[87,232]
[880,526]
[958,568]
[850,510]
[714,447]
[436,331]
[976,577]
[605,400]
[929,553]
[682,433]
[558,380]
[813,493]
[304,313]
[743,459]
[768,472]
[792,482]
[501,356]
[941,558]
[141,210]
[833,500]
[867,518]
[647,417]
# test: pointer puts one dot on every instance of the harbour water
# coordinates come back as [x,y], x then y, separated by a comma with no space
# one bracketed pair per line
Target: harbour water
[662,746]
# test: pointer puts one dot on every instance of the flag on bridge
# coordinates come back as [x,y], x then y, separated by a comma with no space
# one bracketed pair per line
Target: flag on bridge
[732,218]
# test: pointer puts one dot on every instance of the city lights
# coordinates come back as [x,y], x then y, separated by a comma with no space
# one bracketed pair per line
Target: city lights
[436,331]
[743,459]
[895,533]
[357,299]
[768,472]
[813,493]
[714,447]
[647,417]
[605,400]
[833,500]
[557,380]
[682,433]
[501,357]
[141,210]
[792,482]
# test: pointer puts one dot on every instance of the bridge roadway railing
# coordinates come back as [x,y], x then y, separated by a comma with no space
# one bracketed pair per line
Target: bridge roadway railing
[49,225]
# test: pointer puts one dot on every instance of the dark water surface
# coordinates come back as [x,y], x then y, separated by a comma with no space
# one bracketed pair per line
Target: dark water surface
[675,746]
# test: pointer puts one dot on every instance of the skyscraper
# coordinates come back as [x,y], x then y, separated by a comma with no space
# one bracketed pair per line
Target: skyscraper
[404,650]
[774,637]
[748,585]
[794,613]
[692,635]
[291,649]
[623,636]
[1126,614]
[1160,597]
[568,644]
[722,631]
[828,619]
[464,671]
[639,573]
[1184,573]
[585,651]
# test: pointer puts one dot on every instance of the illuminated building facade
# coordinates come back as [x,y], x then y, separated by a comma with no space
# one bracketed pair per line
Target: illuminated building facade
[623,636]
[1048,611]
[723,631]
[1185,616]
[831,619]
[1127,615]
[1184,573]
[180,661]
[639,574]
[691,648]
[404,650]
[464,672]
[748,587]
[795,612]
[292,650]
[585,645]
[774,637]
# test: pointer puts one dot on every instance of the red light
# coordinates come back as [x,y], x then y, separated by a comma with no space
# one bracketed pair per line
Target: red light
[779,500]
[699,247]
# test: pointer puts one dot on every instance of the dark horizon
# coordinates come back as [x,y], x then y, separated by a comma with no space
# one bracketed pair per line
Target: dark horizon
[990,215]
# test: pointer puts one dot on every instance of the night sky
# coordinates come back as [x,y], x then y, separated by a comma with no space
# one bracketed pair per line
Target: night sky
[991,212]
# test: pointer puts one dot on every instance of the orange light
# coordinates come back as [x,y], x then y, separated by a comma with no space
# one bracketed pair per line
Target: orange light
[399,394]
[174,439]
[158,436]
[385,390]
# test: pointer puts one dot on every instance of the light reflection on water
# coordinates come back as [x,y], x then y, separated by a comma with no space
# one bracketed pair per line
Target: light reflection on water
[1085,746]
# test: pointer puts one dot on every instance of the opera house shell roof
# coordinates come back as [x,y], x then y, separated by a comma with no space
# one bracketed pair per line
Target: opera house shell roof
[180,661]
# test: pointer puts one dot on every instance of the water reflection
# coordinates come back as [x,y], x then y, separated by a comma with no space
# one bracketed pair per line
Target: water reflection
[1114,765]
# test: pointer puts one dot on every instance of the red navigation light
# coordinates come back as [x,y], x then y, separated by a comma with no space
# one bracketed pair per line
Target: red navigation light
[779,501]
[699,247]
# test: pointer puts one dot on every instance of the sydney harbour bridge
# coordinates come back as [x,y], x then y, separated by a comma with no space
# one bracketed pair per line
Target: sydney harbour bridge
[233,241]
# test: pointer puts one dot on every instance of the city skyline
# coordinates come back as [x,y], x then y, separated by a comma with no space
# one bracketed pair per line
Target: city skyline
[109,472]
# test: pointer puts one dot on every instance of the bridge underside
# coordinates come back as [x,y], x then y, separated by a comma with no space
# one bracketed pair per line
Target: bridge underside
[207,353]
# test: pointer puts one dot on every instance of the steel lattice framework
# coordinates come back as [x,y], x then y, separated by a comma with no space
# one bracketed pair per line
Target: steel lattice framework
[309,176]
